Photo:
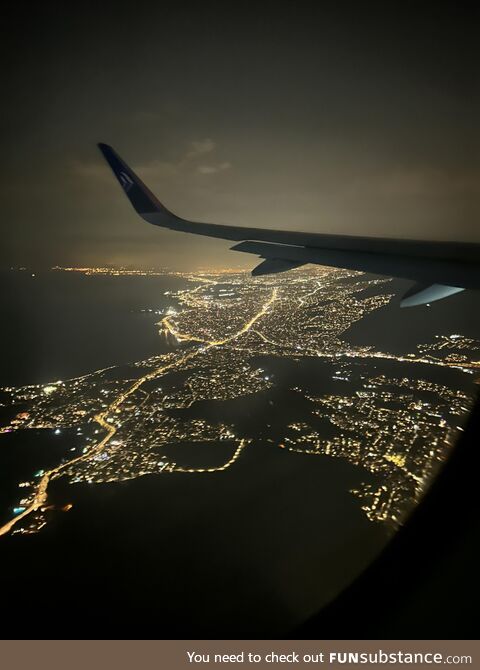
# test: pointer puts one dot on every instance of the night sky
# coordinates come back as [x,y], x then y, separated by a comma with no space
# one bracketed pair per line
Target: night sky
[335,120]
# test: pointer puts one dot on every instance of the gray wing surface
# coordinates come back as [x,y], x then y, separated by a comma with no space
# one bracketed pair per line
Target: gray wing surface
[439,269]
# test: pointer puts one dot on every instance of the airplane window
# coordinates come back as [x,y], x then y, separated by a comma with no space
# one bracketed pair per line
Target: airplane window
[218,451]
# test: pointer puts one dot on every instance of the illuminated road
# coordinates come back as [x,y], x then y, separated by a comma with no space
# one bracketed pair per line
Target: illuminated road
[41,493]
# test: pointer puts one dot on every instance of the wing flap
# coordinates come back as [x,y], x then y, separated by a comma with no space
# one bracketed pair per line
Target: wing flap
[273,265]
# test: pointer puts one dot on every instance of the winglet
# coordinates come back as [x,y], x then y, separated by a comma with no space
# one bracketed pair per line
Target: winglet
[424,294]
[142,199]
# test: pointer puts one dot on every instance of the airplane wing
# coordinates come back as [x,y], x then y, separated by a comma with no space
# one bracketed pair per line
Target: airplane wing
[439,269]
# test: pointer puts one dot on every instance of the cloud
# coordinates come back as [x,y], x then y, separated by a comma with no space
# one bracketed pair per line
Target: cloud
[199,147]
[211,169]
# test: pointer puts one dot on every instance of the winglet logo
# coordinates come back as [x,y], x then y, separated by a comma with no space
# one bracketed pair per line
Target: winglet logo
[125,181]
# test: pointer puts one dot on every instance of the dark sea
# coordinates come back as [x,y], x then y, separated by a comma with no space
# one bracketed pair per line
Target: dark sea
[58,325]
